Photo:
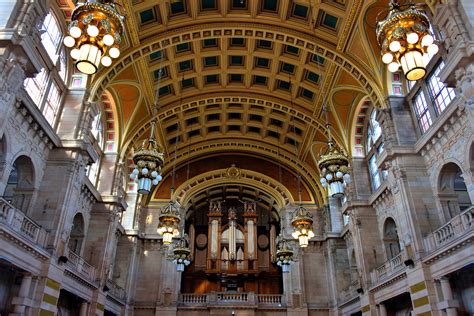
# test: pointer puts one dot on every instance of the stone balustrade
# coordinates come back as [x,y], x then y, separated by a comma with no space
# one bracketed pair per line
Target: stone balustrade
[17,221]
[79,266]
[349,292]
[226,298]
[116,291]
[458,226]
[388,269]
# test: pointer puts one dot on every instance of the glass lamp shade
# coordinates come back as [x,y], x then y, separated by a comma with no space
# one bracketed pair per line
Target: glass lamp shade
[69,41]
[180,267]
[303,241]
[285,268]
[75,32]
[89,59]
[413,65]
[144,185]
[336,189]
[167,238]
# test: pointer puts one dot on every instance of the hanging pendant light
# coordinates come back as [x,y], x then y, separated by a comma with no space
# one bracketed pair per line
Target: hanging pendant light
[169,220]
[95,34]
[405,38]
[181,254]
[333,166]
[302,222]
[148,160]
[284,255]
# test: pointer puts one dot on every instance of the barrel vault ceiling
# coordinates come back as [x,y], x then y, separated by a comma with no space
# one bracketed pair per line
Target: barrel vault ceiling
[222,75]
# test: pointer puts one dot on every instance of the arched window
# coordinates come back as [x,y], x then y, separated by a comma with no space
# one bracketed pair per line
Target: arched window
[20,184]
[47,88]
[452,191]
[390,239]
[76,237]
[97,130]
[374,147]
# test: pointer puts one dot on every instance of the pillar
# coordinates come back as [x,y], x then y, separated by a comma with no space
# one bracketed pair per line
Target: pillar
[20,302]
[84,308]
[382,310]
[448,296]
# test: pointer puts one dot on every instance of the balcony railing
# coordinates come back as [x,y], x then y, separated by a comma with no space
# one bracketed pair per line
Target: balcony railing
[22,224]
[349,292]
[78,265]
[116,291]
[388,269]
[456,227]
[235,299]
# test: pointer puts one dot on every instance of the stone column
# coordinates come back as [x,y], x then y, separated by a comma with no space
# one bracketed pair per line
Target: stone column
[382,310]
[84,308]
[20,302]
[448,296]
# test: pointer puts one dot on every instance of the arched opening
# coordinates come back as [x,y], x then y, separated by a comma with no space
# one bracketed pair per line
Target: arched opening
[76,237]
[232,230]
[20,184]
[452,191]
[390,239]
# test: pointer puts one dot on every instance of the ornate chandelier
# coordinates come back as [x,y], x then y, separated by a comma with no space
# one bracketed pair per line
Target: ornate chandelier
[181,254]
[284,255]
[169,220]
[333,165]
[302,222]
[148,160]
[404,37]
[95,33]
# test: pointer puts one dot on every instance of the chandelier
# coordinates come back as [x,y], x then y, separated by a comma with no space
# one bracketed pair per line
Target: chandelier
[95,33]
[302,222]
[404,37]
[169,220]
[148,160]
[333,165]
[181,254]
[284,255]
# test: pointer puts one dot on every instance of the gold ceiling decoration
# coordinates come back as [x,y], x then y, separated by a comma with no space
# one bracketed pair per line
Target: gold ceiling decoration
[405,39]
[95,34]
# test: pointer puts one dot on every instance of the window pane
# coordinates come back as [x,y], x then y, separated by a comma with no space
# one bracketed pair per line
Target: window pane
[440,94]
[374,172]
[375,126]
[35,86]
[422,114]
[52,104]
[51,38]
[98,130]
[62,65]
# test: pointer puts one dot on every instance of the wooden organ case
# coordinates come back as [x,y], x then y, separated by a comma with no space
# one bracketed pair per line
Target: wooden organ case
[232,247]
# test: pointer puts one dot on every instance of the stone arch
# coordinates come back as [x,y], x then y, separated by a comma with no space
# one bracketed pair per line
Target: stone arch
[21,183]
[390,238]
[358,128]
[77,234]
[452,191]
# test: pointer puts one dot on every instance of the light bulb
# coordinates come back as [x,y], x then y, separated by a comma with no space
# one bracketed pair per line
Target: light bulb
[75,32]
[114,52]
[106,61]
[144,171]
[75,54]
[339,174]
[392,67]
[154,174]
[395,46]
[432,49]
[387,58]
[329,177]
[412,38]
[108,40]
[159,178]
[69,41]
[323,180]
[155,182]
[427,40]
[133,176]
[347,177]
[92,30]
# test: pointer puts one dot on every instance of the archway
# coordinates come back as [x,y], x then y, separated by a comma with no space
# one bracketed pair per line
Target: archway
[452,191]
[20,184]
[390,239]
[76,237]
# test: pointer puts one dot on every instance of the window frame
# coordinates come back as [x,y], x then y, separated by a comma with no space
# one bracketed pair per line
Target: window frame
[374,147]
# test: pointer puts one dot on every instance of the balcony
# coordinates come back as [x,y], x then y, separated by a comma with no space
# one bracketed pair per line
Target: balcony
[222,299]
[116,292]
[349,293]
[454,231]
[388,270]
[16,223]
[78,266]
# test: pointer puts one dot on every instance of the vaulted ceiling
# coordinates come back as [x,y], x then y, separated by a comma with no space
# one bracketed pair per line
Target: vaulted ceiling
[244,75]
